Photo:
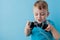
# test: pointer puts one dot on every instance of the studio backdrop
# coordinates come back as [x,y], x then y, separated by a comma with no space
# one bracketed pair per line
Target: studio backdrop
[15,13]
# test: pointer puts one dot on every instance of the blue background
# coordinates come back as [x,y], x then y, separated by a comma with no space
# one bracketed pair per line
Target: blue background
[15,13]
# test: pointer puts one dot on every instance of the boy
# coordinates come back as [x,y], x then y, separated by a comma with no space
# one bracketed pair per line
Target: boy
[44,31]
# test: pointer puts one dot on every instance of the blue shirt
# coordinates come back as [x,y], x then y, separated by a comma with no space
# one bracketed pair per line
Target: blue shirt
[41,34]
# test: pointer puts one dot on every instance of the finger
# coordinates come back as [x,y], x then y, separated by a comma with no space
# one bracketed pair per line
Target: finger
[48,28]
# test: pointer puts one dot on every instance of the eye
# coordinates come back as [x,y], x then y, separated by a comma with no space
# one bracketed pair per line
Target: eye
[44,7]
[36,14]
[42,14]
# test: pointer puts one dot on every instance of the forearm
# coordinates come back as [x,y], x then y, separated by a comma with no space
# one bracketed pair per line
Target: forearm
[55,33]
[57,38]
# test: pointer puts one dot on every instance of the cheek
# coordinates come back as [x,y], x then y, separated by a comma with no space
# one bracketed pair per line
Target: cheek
[43,17]
[36,17]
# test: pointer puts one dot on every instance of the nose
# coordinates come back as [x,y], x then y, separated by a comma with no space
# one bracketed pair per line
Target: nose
[39,16]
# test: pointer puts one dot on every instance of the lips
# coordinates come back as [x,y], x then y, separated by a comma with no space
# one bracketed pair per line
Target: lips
[39,20]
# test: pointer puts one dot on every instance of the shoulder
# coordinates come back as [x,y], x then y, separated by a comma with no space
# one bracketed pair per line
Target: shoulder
[51,22]
[52,25]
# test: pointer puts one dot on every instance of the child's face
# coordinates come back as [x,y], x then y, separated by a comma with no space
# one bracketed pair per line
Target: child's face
[40,15]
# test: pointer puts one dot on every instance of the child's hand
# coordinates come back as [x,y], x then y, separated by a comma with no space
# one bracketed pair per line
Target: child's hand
[53,31]
[48,28]
[28,25]
[27,28]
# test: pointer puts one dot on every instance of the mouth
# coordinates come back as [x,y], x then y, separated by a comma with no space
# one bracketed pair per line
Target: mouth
[39,20]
